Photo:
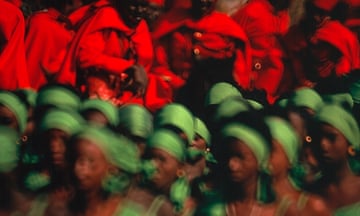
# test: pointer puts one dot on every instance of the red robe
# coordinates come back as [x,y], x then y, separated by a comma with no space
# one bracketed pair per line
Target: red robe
[46,43]
[13,70]
[263,26]
[103,42]
[174,49]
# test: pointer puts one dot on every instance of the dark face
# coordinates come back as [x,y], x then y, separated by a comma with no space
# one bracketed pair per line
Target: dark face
[55,141]
[153,11]
[167,167]
[241,162]
[201,7]
[331,146]
[90,165]
[96,117]
[199,143]
[278,160]
[8,118]
[298,123]
[131,11]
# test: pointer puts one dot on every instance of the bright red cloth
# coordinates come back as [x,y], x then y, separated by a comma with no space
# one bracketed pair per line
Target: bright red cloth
[13,70]
[263,26]
[103,42]
[46,43]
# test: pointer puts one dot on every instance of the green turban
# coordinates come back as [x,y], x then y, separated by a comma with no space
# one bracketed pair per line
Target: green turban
[230,107]
[306,97]
[220,91]
[285,134]
[30,96]
[342,120]
[13,103]
[59,97]
[178,116]
[118,150]
[105,107]
[168,141]
[136,119]
[355,91]
[67,121]
[256,105]
[253,139]
[202,130]
[9,149]
[342,99]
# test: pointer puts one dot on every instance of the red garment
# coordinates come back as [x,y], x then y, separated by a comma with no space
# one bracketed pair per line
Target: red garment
[46,43]
[263,26]
[104,44]
[13,70]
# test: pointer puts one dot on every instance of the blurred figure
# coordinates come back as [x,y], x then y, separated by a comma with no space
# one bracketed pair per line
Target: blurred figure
[13,67]
[100,112]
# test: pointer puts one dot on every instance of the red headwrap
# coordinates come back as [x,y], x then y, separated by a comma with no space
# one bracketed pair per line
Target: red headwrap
[326,5]
[334,33]
[157,2]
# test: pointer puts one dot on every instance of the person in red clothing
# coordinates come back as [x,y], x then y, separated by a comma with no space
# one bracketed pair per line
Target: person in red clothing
[264,22]
[47,38]
[197,47]
[110,51]
[13,70]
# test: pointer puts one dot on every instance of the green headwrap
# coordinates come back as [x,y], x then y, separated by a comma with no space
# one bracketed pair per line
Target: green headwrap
[12,102]
[59,97]
[105,107]
[178,116]
[136,119]
[253,139]
[306,97]
[284,133]
[9,149]
[168,141]
[355,91]
[118,150]
[220,91]
[231,107]
[342,99]
[342,120]
[67,121]
[256,105]
[30,96]
[202,130]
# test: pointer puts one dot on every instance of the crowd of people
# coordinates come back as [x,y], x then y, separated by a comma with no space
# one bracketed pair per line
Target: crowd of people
[179,107]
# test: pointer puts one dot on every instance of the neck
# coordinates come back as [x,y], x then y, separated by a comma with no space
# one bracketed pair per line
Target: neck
[244,191]
[337,172]
[282,185]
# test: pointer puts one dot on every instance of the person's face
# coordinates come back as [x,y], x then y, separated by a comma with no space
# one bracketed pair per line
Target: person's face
[167,167]
[241,162]
[331,146]
[132,11]
[298,123]
[97,117]
[279,163]
[324,58]
[8,118]
[55,142]
[198,143]
[90,165]
[201,7]
[153,11]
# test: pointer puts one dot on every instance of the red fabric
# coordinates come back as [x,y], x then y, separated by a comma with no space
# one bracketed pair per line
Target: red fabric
[46,44]
[353,3]
[13,70]
[326,5]
[334,33]
[17,3]
[105,43]
[158,2]
[263,26]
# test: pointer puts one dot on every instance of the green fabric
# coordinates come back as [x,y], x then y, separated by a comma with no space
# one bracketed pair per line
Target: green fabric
[105,107]
[220,91]
[282,103]
[13,103]
[342,120]
[349,210]
[59,97]
[202,131]
[285,134]
[342,99]
[256,105]
[354,90]
[253,139]
[36,180]
[168,141]
[118,150]
[306,97]
[179,193]
[30,96]
[231,107]
[136,119]
[178,116]
[67,121]
[8,149]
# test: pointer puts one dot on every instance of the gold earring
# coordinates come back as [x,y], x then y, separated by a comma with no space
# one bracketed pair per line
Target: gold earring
[308,139]
[180,173]
[351,151]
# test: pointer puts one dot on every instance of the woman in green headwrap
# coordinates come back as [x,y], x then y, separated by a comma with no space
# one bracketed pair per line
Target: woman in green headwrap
[336,140]
[100,112]
[283,159]
[103,165]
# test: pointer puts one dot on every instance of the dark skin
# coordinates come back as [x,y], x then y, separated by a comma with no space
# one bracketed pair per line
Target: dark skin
[131,11]
[339,186]
[8,118]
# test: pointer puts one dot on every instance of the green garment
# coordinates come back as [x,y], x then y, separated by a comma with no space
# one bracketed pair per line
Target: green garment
[220,91]
[8,149]
[305,97]
[67,121]
[59,97]
[105,107]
